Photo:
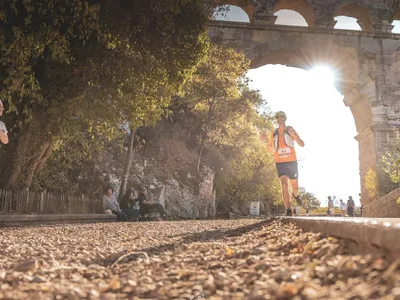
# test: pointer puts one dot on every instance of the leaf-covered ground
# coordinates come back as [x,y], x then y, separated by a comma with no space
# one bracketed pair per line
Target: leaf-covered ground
[234,259]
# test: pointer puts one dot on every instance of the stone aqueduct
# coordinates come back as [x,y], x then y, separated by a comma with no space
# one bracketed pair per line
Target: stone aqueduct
[368,60]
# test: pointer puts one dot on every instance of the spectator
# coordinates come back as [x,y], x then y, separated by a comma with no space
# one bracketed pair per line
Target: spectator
[307,211]
[3,129]
[147,206]
[130,205]
[343,207]
[350,206]
[110,203]
[331,207]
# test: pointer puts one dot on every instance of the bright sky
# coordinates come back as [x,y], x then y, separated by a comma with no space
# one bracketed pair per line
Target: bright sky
[329,162]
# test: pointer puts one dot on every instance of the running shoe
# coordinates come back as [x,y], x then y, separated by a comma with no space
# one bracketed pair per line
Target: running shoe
[289,212]
[298,200]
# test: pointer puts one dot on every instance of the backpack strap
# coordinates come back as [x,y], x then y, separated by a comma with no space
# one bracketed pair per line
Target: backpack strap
[287,129]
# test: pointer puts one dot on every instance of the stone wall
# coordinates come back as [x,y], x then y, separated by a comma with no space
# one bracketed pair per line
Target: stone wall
[385,207]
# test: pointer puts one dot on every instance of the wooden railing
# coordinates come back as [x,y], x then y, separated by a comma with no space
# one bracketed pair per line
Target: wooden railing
[31,202]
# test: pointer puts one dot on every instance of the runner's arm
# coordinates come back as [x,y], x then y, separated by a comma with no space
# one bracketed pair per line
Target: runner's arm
[296,137]
[3,137]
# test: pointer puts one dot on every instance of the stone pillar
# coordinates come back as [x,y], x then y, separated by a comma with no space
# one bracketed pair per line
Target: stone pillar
[382,26]
[264,14]
[264,19]
[367,158]
[324,20]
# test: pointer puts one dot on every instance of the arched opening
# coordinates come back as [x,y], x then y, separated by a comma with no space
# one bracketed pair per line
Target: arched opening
[290,17]
[347,23]
[230,13]
[234,10]
[352,87]
[304,9]
[314,106]
[358,12]
[396,28]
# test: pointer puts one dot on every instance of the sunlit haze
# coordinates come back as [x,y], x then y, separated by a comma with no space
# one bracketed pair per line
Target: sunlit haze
[329,162]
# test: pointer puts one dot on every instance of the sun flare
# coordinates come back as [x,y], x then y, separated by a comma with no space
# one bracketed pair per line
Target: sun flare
[323,75]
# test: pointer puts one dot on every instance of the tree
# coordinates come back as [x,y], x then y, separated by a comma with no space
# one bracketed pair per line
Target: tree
[72,64]
[309,199]
[224,116]
[214,94]
[391,165]
[244,169]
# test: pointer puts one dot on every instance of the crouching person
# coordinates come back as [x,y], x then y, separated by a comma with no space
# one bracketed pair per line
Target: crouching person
[110,203]
[130,205]
[147,206]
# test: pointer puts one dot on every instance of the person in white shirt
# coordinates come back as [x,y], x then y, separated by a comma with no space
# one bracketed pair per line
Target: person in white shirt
[343,207]
[3,129]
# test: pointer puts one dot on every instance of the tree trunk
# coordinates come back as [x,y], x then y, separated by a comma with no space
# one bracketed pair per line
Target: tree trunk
[127,167]
[33,148]
[199,160]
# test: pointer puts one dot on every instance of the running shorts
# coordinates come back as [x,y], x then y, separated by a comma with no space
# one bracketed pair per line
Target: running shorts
[290,169]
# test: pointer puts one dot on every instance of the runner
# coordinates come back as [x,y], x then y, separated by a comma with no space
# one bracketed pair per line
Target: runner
[282,145]
[3,129]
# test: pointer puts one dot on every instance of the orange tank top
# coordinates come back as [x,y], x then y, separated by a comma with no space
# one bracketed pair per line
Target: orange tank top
[283,153]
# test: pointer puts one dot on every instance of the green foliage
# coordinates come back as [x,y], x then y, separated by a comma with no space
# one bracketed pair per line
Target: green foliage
[391,165]
[309,199]
[379,183]
[227,119]
[398,201]
[371,183]
[216,109]
[323,210]
[71,64]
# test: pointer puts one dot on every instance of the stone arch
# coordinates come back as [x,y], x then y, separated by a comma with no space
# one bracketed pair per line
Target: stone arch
[302,7]
[300,52]
[356,85]
[357,11]
[246,5]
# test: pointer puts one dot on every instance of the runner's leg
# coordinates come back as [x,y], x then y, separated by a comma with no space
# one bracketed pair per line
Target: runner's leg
[285,190]
[295,186]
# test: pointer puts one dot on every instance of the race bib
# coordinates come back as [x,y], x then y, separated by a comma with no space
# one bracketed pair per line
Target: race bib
[284,151]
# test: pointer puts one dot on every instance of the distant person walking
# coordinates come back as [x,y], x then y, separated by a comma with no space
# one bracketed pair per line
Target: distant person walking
[3,129]
[307,211]
[350,206]
[282,145]
[343,208]
[331,207]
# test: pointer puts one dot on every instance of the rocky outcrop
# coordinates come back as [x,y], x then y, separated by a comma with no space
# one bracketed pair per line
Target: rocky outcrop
[188,201]
[171,179]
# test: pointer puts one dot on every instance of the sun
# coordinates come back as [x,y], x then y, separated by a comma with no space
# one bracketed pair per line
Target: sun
[323,75]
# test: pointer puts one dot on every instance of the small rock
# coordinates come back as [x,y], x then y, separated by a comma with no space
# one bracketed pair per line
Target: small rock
[258,251]
[38,279]
[28,266]
[310,292]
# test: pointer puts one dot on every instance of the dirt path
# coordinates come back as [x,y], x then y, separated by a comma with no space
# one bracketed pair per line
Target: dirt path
[236,259]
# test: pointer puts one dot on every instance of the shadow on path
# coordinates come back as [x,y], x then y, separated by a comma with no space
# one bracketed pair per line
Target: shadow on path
[205,236]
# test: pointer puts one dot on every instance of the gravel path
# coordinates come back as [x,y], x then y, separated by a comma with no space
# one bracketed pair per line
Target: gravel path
[234,259]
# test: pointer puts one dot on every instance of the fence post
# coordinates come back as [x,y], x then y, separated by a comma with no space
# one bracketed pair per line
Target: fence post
[26,200]
[83,204]
[41,202]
